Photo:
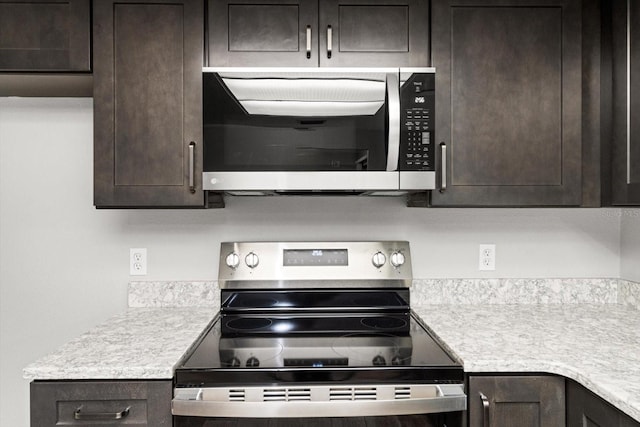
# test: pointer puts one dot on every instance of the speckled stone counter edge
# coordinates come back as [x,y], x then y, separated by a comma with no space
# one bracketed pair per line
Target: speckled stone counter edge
[423,291]
[525,291]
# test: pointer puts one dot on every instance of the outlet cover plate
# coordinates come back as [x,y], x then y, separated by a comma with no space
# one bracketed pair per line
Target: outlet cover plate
[138,261]
[487,257]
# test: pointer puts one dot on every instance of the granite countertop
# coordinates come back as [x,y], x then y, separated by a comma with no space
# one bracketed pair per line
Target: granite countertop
[597,345]
[141,343]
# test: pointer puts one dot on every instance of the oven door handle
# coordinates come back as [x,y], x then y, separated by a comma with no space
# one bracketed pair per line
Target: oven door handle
[318,401]
[393,138]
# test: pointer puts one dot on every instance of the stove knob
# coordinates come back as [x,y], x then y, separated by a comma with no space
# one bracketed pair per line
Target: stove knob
[378,259]
[396,360]
[234,362]
[253,362]
[379,361]
[233,260]
[397,259]
[252,260]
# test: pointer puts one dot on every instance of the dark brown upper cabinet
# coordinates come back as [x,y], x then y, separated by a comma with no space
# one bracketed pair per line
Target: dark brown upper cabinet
[332,33]
[45,35]
[148,103]
[508,102]
[626,102]
[531,401]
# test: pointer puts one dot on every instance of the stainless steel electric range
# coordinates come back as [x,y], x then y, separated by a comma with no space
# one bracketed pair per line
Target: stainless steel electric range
[317,333]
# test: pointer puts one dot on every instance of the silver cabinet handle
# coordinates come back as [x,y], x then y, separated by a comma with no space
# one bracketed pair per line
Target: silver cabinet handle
[192,167]
[443,167]
[485,410]
[329,41]
[628,91]
[308,41]
[101,416]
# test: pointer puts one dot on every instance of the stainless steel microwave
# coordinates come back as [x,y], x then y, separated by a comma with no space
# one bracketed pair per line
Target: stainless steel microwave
[297,130]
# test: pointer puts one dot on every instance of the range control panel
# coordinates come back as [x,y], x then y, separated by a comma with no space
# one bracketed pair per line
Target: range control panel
[417,103]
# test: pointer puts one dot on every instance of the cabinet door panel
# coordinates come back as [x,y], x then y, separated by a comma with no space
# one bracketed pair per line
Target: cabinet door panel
[585,409]
[369,33]
[528,401]
[45,35]
[262,33]
[508,101]
[148,103]
[626,99]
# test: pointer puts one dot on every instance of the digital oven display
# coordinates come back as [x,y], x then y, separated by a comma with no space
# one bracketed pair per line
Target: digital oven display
[320,257]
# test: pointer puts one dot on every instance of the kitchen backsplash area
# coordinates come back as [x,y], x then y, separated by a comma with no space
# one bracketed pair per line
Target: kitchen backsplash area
[65,264]
[423,292]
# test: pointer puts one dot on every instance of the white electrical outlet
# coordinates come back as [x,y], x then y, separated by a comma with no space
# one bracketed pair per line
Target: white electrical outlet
[138,261]
[487,258]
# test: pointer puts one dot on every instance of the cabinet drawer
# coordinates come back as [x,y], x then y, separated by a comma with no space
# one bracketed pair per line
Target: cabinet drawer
[103,403]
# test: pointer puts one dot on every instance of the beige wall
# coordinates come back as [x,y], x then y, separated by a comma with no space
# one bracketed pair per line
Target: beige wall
[64,264]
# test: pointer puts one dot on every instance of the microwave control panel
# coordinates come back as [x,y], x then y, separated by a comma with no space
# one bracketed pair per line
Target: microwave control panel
[417,115]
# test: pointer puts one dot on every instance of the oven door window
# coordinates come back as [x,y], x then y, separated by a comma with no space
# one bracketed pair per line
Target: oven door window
[249,126]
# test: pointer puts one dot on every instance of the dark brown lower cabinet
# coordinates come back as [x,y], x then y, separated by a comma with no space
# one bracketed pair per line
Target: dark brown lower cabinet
[522,401]
[101,403]
[585,409]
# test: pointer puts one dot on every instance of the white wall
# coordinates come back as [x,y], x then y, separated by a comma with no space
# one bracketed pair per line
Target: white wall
[64,264]
[630,243]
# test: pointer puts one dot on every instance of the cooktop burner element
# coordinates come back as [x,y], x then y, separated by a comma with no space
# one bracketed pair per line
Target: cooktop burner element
[249,323]
[297,316]
[385,322]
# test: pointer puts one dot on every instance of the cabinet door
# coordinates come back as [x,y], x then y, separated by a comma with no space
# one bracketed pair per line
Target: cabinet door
[626,102]
[585,409]
[527,401]
[263,33]
[508,102]
[45,35]
[101,403]
[389,33]
[148,103]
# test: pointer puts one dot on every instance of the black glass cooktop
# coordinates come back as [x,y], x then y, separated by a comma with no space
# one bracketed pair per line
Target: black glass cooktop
[316,336]
[366,347]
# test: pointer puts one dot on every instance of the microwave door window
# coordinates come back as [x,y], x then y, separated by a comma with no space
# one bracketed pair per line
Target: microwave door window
[236,140]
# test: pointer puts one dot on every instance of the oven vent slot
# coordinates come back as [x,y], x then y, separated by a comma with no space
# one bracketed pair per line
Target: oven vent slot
[236,395]
[353,393]
[403,393]
[285,394]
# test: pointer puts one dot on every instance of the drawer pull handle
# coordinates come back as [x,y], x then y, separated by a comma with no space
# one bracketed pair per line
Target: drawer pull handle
[100,416]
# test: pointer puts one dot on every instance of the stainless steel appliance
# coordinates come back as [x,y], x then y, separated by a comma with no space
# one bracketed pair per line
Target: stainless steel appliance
[291,130]
[317,333]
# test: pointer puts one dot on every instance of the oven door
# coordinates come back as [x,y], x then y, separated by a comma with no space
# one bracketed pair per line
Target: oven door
[301,129]
[330,405]
[449,419]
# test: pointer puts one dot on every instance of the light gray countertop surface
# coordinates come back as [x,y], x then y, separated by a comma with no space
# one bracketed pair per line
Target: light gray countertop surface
[597,345]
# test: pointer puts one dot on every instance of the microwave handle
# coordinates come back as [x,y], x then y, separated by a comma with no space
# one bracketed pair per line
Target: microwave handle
[393,97]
